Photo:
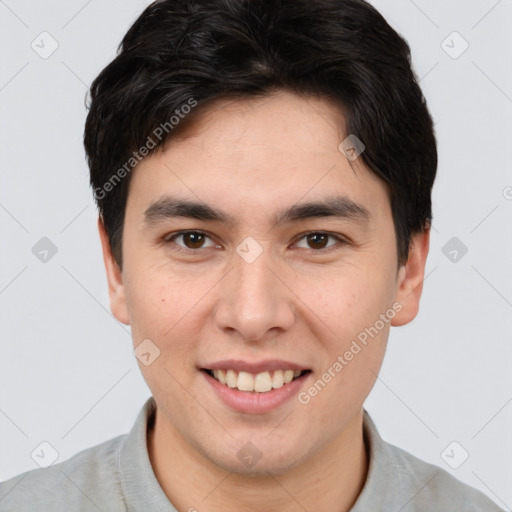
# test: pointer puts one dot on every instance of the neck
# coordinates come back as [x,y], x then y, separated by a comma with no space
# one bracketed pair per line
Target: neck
[328,481]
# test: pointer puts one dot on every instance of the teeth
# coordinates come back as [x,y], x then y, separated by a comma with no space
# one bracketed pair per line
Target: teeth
[245,382]
[277,379]
[260,383]
[288,376]
[231,378]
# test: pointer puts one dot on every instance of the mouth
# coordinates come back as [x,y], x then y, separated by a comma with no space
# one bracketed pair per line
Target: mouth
[262,382]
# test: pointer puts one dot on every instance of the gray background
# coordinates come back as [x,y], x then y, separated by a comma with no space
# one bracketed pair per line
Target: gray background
[67,371]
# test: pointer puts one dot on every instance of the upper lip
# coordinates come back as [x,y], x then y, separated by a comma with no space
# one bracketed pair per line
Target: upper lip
[253,367]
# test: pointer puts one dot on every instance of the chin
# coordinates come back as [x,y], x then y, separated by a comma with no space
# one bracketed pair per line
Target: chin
[252,461]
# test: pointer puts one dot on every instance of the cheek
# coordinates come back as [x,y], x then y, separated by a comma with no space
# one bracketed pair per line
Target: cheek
[164,307]
[149,304]
[355,343]
[347,302]
[163,310]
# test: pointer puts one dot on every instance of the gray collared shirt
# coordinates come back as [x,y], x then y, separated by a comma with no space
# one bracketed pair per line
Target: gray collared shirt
[117,476]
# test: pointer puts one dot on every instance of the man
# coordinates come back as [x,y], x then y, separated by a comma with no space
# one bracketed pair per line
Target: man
[263,172]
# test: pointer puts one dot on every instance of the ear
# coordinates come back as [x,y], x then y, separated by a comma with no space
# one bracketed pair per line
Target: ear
[410,279]
[116,290]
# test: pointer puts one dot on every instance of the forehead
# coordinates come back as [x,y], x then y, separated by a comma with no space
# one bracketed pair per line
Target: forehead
[259,153]
[244,121]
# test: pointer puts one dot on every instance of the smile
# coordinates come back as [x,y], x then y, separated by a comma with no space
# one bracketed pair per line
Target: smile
[262,382]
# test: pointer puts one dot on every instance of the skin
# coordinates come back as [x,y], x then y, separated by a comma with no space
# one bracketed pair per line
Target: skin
[297,301]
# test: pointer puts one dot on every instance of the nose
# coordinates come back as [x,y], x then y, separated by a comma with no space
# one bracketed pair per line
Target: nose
[254,299]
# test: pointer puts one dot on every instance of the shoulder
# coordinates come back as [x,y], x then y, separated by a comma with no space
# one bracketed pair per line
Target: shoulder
[397,480]
[436,488]
[87,481]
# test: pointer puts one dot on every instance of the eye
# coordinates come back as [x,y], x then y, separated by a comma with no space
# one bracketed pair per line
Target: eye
[315,241]
[191,240]
[318,240]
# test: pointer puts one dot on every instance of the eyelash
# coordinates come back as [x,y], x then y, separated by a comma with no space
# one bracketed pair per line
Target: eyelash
[340,241]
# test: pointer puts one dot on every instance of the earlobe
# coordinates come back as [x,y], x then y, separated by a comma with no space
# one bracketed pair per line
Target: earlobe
[116,290]
[410,279]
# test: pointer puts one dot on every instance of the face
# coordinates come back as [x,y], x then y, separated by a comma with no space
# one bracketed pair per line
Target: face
[255,251]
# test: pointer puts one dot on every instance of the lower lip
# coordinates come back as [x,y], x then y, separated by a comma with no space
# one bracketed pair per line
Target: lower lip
[252,402]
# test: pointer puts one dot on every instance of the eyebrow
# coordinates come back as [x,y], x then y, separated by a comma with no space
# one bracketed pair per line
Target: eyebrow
[168,207]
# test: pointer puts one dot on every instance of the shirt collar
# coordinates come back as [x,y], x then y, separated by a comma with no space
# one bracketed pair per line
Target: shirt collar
[140,486]
[386,485]
[391,483]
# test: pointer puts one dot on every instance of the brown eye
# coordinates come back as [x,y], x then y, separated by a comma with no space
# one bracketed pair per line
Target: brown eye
[320,242]
[317,240]
[191,240]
